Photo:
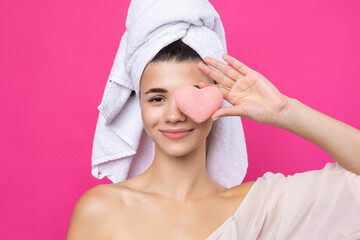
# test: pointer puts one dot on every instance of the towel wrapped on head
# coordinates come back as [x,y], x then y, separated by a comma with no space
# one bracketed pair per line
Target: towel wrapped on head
[121,149]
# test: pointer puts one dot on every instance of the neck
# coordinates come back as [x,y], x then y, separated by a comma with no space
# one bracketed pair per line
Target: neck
[181,178]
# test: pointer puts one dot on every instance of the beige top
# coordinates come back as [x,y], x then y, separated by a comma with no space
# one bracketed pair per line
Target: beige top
[318,204]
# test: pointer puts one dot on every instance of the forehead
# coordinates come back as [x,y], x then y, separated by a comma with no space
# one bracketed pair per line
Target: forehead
[172,74]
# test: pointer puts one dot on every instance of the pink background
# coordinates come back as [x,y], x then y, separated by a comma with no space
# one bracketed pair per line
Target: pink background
[55,60]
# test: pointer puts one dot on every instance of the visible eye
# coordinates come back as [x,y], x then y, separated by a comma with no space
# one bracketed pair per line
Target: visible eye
[155,99]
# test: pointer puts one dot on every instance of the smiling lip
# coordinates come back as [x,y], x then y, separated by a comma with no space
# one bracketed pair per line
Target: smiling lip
[176,134]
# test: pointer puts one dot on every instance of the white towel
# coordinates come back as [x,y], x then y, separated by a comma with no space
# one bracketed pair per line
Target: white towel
[121,147]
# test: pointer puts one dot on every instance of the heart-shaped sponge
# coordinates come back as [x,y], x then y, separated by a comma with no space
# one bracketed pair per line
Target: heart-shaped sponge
[198,104]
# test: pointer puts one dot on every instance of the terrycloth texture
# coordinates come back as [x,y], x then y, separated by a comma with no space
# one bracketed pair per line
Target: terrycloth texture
[198,104]
[318,204]
[121,149]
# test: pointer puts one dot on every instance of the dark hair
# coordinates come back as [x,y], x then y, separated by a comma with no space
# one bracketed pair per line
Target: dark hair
[177,51]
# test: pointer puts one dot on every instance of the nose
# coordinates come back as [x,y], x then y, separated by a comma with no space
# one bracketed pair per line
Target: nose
[173,113]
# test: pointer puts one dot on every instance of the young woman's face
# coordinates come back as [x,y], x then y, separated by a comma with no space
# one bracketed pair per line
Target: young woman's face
[159,111]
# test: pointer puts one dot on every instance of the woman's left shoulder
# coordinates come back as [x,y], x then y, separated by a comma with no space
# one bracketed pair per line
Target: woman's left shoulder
[242,189]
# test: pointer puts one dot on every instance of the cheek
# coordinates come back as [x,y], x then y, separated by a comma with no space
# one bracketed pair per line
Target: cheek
[150,116]
[206,127]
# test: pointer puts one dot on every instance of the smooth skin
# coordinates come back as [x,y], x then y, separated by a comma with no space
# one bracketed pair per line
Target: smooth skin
[175,196]
[156,206]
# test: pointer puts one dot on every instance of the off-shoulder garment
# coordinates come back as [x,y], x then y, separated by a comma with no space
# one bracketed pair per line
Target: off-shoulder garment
[317,204]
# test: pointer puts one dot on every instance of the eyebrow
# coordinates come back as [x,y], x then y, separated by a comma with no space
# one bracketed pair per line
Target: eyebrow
[162,90]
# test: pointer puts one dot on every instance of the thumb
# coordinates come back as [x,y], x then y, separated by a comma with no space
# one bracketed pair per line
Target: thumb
[229,111]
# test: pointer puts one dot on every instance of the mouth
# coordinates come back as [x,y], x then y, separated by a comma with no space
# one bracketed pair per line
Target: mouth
[176,134]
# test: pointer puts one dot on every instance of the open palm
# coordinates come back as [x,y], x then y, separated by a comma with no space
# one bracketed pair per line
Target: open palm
[250,93]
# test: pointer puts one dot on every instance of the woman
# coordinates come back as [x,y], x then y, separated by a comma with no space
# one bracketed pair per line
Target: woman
[189,205]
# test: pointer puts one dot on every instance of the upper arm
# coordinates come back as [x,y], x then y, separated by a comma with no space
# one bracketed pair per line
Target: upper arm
[87,220]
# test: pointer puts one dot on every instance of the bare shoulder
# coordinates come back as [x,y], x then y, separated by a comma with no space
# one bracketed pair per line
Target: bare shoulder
[242,189]
[92,213]
[247,186]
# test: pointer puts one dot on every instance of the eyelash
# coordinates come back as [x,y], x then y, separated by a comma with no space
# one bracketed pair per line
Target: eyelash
[152,100]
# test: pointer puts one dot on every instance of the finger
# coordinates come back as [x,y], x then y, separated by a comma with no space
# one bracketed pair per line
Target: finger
[224,91]
[229,111]
[242,68]
[224,68]
[218,77]
[204,84]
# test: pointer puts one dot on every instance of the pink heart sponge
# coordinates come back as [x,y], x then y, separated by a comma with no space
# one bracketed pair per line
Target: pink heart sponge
[198,104]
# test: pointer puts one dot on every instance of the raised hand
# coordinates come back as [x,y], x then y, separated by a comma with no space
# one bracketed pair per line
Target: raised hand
[250,93]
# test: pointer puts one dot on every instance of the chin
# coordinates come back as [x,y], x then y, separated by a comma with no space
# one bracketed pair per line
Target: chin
[177,151]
